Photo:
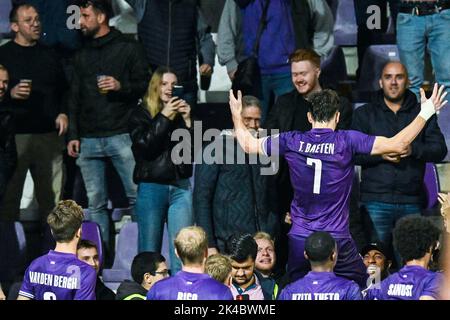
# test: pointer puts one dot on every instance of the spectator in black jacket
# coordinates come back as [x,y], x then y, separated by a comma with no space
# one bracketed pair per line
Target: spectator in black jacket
[391,185]
[289,114]
[37,85]
[8,155]
[111,75]
[164,189]
[232,196]
[174,33]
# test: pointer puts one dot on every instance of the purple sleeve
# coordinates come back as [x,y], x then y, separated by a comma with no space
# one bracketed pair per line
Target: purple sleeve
[88,281]
[227,294]
[360,142]
[26,290]
[277,144]
[373,294]
[284,295]
[431,286]
[151,293]
[354,293]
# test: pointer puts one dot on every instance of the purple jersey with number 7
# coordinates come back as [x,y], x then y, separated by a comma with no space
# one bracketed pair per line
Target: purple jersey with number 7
[321,169]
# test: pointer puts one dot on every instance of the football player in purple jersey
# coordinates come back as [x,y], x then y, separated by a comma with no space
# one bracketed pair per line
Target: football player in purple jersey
[415,239]
[60,275]
[321,168]
[191,283]
[321,283]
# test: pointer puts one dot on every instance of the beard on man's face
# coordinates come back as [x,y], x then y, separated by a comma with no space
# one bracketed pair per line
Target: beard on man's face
[90,33]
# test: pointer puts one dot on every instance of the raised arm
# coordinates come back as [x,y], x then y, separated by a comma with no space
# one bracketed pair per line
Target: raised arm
[249,143]
[400,142]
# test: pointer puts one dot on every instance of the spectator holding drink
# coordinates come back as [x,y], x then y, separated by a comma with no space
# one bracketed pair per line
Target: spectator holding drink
[98,122]
[37,85]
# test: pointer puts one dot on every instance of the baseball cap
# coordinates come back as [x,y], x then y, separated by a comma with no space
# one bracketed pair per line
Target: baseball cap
[379,246]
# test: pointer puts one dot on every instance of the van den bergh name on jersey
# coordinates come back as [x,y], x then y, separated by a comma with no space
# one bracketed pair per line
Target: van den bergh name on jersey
[54,280]
[323,148]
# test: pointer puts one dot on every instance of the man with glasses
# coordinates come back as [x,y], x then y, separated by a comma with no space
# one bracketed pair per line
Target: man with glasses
[37,86]
[147,268]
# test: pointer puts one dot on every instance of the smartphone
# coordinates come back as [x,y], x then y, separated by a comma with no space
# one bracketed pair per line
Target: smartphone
[178,91]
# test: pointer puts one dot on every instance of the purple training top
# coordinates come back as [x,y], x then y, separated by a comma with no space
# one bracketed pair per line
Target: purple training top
[189,286]
[321,168]
[59,276]
[321,286]
[409,283]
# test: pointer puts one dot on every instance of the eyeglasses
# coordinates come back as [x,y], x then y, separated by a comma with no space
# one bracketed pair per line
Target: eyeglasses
[163,272]
[31,21]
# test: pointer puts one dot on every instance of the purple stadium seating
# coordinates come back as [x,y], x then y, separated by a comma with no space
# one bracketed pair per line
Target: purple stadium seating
[126,250]
[5,8]
[431,185]
[91,231]
[375,58]
[345,28]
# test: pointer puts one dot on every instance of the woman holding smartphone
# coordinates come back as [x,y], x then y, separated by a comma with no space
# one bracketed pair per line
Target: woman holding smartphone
[164,190]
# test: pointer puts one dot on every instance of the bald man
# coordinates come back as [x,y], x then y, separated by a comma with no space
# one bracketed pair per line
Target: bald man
[391,185]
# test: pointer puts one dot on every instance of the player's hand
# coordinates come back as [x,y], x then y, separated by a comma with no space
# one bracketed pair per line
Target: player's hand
[437,97]
[236,104]
[391,157]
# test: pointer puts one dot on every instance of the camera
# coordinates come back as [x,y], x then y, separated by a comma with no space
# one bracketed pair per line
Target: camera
[178,91]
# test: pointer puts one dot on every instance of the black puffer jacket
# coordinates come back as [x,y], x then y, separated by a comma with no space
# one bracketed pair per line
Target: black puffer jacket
[91,114]
[224,202]
[396,182]
[152,148]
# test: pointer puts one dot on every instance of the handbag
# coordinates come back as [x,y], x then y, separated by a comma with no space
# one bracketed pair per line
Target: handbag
[248,74]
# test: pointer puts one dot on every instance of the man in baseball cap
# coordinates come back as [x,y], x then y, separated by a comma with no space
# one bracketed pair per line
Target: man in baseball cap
[378,260]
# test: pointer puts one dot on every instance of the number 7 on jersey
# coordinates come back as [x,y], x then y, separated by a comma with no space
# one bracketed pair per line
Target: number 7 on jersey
[317,173]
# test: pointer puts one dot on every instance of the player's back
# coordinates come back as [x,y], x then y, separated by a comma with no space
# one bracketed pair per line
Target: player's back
[59,276]
[189,286]
[321,168]
[321,286]
[409,283]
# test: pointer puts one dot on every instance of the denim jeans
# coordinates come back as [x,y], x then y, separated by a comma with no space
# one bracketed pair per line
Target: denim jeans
[92,162]
[414,35]
[278,84]
[384,216]
[157,204]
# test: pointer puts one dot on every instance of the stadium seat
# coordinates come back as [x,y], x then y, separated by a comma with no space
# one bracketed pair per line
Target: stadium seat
[431,185]
[375,58]
[126,250]
[118,213]
[345,28]
[91,231]
[334,69]
[12,251]
[5,8]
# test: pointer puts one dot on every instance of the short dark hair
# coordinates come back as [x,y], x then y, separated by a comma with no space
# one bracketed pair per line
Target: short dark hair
[413,237]
[324,105]
[319,246]
[145,262]
[242,246]
[103,6]
[86,244]
[13,14]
